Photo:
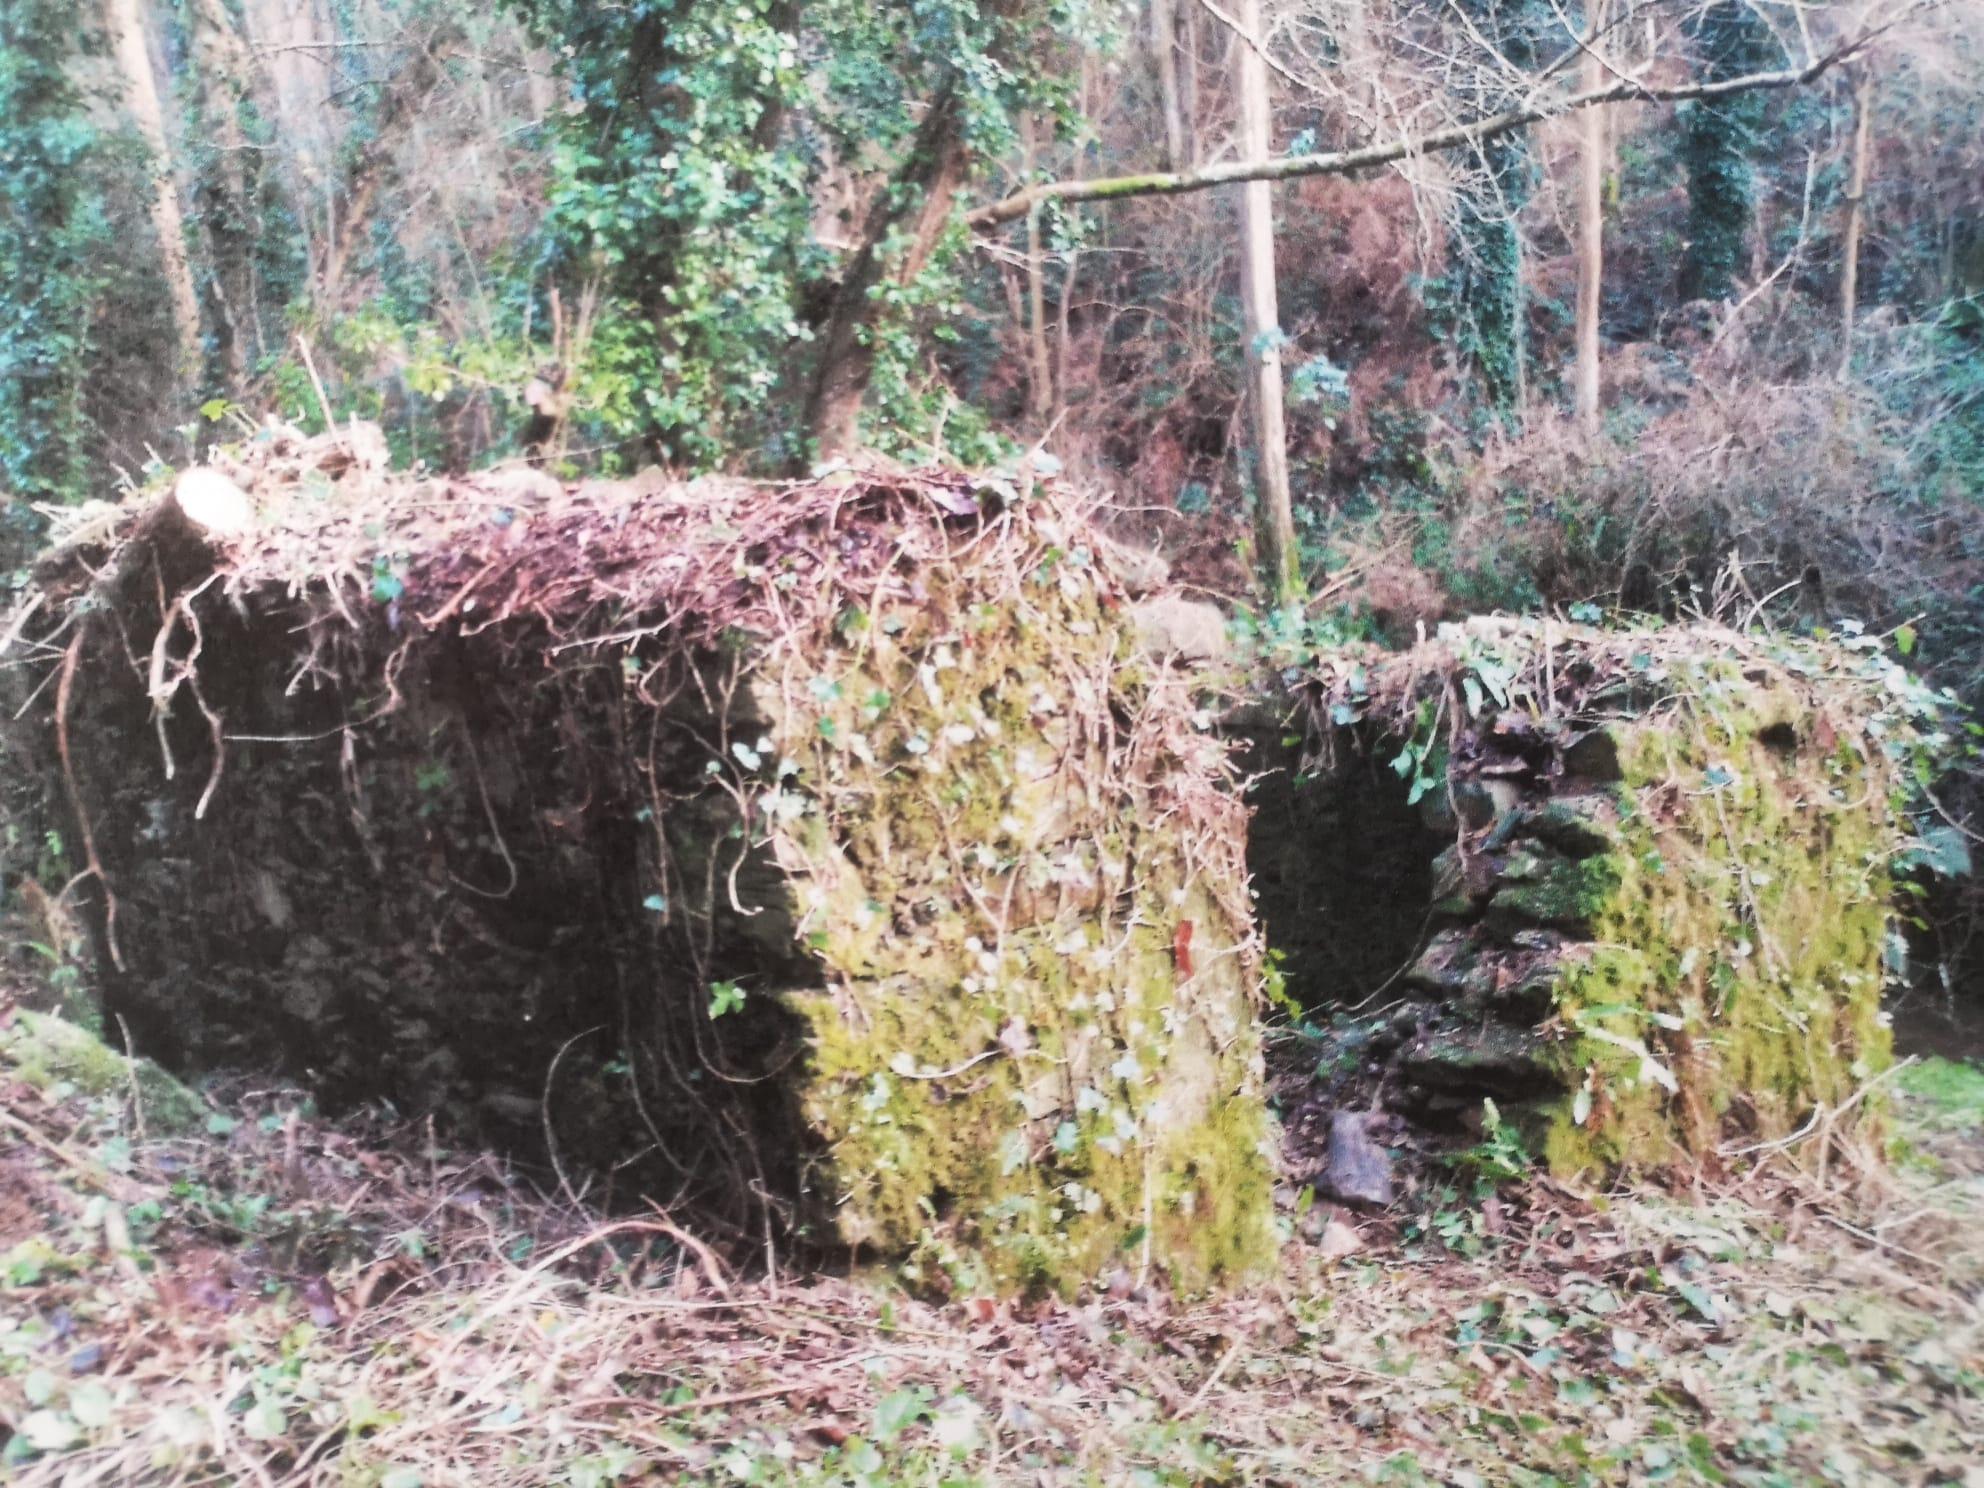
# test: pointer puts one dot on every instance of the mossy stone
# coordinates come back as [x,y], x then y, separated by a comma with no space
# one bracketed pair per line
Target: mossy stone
[1560,893]
[47,1052]
[1582,826]
[1490,1056]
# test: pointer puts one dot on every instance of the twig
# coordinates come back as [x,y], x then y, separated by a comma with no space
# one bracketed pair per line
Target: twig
[1199,1395]
[124,1190]
[316,382]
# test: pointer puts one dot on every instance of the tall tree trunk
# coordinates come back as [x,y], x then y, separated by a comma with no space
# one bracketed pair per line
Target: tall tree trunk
[1361,71]
[1591,226]
[922,195]
[1856,213]
[1040,377]
[1274,520]
[132,51]
[1188,82]
[227,216]
[1164,48]
[1717,138]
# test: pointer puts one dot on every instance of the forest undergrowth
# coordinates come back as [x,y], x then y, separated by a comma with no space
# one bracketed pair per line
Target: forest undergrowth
[276,1298]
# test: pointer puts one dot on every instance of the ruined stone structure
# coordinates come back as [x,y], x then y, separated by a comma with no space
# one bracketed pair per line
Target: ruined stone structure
[846,863]
[1655,922]
[819,859]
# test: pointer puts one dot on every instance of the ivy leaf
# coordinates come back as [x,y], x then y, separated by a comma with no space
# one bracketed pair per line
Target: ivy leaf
[900,1411]
[265,1420]
[49,1431]
[91,1405]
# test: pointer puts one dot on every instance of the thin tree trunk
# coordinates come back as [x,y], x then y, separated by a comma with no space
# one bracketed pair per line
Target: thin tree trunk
[922,194]
[1281,578]
[1856,213]
[1591,228]
[1361,74]
[123,20]
[224,78]
[1040,378]
[1188,88]
[1164,49]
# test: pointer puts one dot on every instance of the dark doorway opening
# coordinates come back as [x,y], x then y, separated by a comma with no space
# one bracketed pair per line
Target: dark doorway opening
[1342,863]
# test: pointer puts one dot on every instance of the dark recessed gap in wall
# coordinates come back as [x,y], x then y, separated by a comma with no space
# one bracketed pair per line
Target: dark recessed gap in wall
[455,909]
[1342,864]
[1781,737]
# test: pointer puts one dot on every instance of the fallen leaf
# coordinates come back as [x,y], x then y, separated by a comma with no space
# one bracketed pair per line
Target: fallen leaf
[1339,1240]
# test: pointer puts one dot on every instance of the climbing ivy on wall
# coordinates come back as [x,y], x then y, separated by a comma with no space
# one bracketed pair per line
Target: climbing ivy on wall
[1717,138]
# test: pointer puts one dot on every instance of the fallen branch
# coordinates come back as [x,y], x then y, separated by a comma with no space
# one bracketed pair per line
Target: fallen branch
[88,1170]
[1474,132]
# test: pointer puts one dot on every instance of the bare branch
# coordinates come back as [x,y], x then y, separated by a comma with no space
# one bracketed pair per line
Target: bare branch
[1474,132]
[1259,46]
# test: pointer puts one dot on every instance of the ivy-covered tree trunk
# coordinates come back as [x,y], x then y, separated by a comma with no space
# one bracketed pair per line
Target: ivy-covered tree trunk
[1717,135]
[225,210]
[50,236]
[918,204]
[1486,282]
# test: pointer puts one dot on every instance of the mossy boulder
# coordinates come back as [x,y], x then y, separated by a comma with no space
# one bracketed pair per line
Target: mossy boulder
[826,859]
[52,1054]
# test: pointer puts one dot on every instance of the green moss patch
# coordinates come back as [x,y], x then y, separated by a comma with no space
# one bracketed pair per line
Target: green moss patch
[1948,1093]
[54,1055]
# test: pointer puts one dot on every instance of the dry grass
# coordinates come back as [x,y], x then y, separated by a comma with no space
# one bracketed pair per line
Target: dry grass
[292,1301]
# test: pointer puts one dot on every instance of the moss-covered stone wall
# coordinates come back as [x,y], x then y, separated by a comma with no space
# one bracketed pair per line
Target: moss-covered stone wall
[822,858]
[1737,923]
[1017,872]
[1659,924]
